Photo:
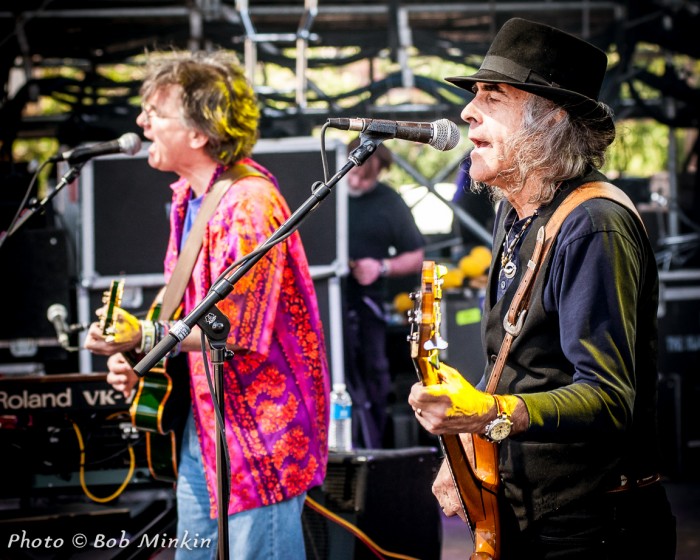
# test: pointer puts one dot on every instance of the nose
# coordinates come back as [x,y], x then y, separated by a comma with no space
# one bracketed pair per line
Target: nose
[469,113]
[142,119]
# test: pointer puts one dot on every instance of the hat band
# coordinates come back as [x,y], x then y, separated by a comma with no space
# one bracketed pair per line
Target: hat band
[514,70]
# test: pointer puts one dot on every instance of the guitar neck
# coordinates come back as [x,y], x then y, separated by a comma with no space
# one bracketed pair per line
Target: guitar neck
[473,461]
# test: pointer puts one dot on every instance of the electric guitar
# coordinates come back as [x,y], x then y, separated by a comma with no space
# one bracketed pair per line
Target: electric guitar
[472,460]
[162,397]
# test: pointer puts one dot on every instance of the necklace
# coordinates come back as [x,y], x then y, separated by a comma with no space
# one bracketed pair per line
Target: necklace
[508,267]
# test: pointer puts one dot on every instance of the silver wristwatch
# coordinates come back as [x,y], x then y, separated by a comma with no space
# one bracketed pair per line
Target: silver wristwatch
[499,428]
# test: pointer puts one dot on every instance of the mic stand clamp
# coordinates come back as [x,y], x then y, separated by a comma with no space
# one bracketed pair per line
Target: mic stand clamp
[216,326]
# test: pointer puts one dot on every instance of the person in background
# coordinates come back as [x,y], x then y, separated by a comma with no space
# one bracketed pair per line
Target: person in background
[573,415]
[477,205]
[201,116]
[383,242]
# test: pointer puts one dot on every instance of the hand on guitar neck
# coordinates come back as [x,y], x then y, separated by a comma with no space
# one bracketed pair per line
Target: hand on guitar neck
[452,406]
[116,330]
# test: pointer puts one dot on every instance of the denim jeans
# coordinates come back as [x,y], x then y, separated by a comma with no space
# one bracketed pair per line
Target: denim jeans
[271,532]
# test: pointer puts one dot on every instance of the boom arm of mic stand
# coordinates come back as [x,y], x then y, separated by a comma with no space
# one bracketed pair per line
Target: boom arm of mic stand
[224,286]
[67,179]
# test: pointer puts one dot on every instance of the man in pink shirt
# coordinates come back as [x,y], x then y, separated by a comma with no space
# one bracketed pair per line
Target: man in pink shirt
[201,116]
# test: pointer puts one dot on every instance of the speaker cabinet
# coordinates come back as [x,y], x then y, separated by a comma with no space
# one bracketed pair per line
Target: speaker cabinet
[461,328]
[37,270]
[387,495]
[36,274]
[125,208]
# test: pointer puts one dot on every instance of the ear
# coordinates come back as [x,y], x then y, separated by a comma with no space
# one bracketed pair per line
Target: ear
[559,114]
[197,139]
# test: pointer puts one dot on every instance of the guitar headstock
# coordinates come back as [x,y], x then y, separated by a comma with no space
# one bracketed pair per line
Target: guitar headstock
[425,318]
[112,299]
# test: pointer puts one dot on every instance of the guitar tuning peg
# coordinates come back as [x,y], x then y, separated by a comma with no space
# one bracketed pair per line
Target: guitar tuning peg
[440,270]
[435,343]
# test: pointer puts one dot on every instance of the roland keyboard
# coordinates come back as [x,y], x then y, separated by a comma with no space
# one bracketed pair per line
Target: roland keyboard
[59,393]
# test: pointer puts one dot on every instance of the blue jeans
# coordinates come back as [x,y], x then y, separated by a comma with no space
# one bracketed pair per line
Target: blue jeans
[270,532]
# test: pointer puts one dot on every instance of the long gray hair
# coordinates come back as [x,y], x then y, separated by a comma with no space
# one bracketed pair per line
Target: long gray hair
[554,146]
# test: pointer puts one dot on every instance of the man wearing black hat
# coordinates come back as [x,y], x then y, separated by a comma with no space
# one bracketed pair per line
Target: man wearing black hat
[568,397]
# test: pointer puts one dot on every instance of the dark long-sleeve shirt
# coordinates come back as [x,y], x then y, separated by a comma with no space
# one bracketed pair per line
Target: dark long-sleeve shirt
[585,362]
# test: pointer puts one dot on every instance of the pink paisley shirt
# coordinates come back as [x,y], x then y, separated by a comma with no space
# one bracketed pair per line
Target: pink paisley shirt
[277,391]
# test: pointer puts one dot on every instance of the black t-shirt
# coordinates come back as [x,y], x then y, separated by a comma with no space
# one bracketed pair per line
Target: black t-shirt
[379,220]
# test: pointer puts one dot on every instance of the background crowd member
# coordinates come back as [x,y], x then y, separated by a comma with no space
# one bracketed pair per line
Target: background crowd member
[477,204]
[201,116]
[383,241]
[575,407]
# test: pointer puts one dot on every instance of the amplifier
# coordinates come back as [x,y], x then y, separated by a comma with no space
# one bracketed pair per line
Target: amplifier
[386,494]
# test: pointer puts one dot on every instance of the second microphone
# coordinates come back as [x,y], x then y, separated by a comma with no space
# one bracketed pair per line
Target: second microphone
[442,134]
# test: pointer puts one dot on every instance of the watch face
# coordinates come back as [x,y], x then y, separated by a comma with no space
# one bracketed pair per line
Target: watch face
[499,429]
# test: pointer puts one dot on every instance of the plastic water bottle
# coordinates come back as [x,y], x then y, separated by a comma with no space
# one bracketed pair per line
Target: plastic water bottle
[340,430]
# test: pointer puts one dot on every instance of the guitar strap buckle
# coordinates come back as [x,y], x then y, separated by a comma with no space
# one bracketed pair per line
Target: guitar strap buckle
[510,328]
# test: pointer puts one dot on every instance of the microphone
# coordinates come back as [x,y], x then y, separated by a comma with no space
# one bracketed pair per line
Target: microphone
[57,314]
[442,134]
[128,143]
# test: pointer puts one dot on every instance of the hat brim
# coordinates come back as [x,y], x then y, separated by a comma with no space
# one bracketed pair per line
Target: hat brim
[573,102]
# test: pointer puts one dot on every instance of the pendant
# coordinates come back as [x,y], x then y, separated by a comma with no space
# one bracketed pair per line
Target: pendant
[509,269]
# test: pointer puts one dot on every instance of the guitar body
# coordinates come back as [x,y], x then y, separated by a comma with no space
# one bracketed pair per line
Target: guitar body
[161,397]
[472,460]
[160,408]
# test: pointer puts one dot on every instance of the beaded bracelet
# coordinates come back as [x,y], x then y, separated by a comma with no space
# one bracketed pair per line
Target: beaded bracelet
[148,334]
[159,332]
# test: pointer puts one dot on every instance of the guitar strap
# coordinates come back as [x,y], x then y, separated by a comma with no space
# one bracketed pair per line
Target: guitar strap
[188,255]
[546,235]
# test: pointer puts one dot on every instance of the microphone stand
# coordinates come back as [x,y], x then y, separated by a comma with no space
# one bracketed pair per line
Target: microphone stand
[224,285]
[216,326]
[35,206]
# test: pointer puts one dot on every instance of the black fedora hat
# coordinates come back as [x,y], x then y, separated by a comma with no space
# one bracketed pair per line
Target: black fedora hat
[548,62]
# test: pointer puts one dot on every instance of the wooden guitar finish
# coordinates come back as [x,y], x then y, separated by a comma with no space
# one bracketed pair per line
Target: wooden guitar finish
[472,460]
